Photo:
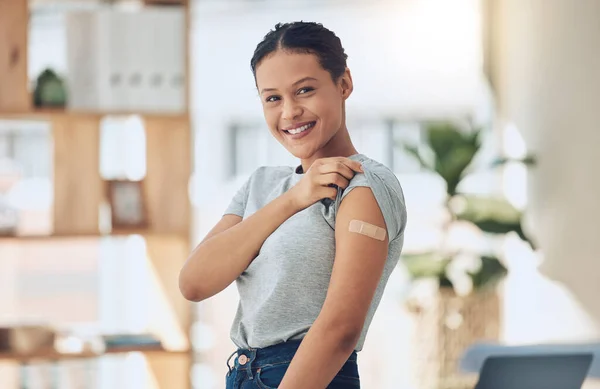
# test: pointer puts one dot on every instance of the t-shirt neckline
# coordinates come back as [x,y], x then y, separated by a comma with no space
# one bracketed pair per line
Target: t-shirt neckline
[298,169]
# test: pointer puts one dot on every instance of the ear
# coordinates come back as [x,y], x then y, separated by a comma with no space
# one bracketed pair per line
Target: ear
[346,84]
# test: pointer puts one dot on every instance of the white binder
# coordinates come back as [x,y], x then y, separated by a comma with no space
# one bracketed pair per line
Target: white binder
[127,61]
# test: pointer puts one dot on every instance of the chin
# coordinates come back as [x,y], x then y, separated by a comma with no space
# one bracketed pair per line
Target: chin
[303,153]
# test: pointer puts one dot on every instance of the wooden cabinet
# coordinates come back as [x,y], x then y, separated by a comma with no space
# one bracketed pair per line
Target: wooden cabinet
[78,188]
[168,151]
[14,93]
[80,192]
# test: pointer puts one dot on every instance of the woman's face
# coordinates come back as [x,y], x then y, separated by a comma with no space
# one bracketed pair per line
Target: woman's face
[303,106]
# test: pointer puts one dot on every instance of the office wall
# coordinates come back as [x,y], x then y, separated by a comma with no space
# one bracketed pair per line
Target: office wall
[545,64]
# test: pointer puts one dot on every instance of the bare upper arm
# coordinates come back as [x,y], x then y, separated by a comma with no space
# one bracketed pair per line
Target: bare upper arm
[359,262]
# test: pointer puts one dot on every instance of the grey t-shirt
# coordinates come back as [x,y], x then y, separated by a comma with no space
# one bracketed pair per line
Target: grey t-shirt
[283,290]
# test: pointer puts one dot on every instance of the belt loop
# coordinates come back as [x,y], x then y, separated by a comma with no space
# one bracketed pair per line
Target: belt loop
[251,358]
[228,359]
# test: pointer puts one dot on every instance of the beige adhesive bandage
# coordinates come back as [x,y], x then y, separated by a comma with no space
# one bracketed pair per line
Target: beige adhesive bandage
[367,229]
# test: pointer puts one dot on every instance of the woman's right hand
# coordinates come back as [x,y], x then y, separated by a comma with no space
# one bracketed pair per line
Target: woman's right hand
[322,180]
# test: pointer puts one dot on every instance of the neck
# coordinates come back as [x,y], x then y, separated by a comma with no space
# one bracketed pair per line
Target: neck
[338,146]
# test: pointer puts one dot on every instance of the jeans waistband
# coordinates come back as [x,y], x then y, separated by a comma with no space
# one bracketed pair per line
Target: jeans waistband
[254,358]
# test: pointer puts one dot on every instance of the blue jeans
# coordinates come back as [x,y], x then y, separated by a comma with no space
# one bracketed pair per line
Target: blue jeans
[264,368]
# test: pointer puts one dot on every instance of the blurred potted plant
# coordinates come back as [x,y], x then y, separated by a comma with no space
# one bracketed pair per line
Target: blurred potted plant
[463,306]
[50,90]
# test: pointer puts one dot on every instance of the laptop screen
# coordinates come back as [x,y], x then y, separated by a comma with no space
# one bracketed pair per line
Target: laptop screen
[558,371]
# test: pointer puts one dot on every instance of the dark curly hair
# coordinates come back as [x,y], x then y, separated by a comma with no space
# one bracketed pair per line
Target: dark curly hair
[304,37]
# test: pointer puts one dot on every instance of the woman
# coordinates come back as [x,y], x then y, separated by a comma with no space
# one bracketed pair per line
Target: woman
[311,248]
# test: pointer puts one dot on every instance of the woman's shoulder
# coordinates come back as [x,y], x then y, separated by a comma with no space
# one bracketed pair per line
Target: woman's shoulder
[377,169]
[387,191]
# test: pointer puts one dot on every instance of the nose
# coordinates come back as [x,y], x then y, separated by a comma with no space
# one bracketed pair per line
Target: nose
[291,110]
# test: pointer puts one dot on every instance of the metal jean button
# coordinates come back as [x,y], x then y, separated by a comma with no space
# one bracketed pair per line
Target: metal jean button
[243,360]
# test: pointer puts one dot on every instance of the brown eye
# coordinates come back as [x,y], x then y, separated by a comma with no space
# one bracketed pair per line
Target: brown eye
[305,90]
[272,99]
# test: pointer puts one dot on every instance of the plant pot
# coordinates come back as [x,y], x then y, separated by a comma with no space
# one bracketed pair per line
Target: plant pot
[445,326]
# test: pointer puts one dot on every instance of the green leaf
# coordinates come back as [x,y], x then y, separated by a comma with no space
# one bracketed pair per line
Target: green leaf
[492,214]
[528,239]
[454,151]
[445,282]
[496,227]
[452,167]
[426,265]
[528,160]
[490,273]
[413,151]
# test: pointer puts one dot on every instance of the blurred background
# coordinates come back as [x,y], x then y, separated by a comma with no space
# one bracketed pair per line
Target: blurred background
[127,126]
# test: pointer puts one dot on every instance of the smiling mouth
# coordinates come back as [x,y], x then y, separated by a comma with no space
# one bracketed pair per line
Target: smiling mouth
[300,129]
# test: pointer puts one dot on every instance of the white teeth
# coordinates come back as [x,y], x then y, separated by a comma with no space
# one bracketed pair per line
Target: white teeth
[300,129]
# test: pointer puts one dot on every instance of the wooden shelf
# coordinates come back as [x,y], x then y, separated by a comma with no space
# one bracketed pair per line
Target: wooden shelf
[56,356]
[170,3]
[118,233]
[80,191]
[53,114]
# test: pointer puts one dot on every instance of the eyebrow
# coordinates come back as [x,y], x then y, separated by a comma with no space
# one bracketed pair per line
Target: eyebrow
[300,81]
